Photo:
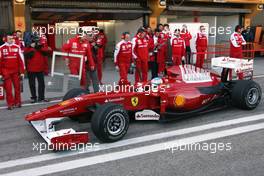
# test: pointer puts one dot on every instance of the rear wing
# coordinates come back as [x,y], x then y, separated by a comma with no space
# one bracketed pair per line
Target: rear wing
[243,67]
[233,63]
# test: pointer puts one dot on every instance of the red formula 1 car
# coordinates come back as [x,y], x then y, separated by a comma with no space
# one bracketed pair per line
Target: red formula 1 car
[184,91]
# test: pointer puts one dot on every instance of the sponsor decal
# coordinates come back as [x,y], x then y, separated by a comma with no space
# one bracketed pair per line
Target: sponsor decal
[134,101]
[78,98]
[206,100]
[66,111]
[74,45]
[179,100]
[114,99]
[147,115]
[15,50]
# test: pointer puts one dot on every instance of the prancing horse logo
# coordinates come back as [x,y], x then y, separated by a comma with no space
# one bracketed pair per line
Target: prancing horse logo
[134,101]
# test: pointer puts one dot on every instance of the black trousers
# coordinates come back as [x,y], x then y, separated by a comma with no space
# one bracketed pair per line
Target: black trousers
[188,55]
[32,76]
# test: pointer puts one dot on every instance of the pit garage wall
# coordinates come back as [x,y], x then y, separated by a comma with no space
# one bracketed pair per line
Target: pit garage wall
[258,20]
[226,22]
[115,28]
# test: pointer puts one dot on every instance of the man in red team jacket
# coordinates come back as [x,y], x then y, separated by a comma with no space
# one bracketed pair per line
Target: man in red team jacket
[123,57]
[104,40]
[178,48]
[236,51]
[140,52]
[37,66]
[236,43]
[186,35]
[201,46]
[79,45]
[162,48]
[11,69]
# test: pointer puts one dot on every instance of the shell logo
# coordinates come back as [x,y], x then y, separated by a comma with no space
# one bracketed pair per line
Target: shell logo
[64,103]
[179,100]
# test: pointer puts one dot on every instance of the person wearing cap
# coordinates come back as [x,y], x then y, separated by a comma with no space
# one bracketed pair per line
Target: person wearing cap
[123,58]
[201,42]
[36,59]
[79,45]
[11,70]
[187,36]
[140,52]
[236,42]
[178,48]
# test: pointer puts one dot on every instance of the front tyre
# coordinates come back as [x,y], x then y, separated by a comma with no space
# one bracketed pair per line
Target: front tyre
[246,94]
[110,122]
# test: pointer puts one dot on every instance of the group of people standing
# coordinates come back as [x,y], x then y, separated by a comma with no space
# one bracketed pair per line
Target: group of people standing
[152,50]
[17,56]
[147,50]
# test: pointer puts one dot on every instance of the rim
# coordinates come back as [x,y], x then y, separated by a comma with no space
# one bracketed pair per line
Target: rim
[252,96]
[116,124]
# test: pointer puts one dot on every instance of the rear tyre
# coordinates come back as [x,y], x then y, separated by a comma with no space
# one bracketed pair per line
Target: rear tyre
[110,122]
[246,94]
[76,92]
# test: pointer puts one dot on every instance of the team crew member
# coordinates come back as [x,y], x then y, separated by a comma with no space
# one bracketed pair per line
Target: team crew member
[140,52]
[160,27]
[99,46]
[186,35]
[18,37]
[123,57]
[104,40]
[37,67]
[152,54]
[79,45]
[236,51]
[91,73]
[201,46]
[178,48]
[167,38]
[161,52]
[11,69]
[236,42]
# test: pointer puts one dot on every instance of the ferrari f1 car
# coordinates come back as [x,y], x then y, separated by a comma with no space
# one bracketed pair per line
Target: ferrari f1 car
[184,91]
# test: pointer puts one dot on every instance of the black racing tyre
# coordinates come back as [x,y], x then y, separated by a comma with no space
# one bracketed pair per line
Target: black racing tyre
[110,122]
[246,94]
[76,92]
